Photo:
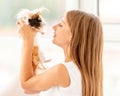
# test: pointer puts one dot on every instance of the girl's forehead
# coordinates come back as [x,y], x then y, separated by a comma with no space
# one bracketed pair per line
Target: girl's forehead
[64,19]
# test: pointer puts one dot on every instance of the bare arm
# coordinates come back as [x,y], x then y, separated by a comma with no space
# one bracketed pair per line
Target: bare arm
[54,76]
[26,71]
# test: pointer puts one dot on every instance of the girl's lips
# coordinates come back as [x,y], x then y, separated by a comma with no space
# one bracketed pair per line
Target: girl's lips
[54,34]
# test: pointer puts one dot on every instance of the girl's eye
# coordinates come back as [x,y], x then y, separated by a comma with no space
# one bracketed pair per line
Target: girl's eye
[60,25]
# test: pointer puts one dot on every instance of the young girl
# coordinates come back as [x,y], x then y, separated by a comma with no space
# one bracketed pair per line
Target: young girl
[80,35]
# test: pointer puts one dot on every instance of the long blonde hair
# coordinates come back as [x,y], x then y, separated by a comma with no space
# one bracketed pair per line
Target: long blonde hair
[86,50]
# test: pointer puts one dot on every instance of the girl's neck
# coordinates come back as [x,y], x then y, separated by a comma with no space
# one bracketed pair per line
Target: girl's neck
[67,55]
[67,60]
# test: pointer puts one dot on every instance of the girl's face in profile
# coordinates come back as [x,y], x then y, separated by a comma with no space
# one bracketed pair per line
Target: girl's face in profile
[62,33]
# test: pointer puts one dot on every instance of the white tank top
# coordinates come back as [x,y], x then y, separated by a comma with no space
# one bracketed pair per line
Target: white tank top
[75,87]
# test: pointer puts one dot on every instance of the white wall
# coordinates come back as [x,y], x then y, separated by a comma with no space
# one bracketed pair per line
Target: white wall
[89,6]
[72,4]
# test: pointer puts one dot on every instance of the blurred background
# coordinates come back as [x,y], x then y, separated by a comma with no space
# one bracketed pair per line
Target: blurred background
[10,42]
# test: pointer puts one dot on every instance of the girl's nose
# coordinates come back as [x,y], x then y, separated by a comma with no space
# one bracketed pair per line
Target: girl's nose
[55,27]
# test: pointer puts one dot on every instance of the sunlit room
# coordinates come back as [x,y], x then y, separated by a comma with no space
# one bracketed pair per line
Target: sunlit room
[11,43]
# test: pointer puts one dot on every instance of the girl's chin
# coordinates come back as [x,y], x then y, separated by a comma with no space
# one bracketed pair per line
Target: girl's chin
[53,40]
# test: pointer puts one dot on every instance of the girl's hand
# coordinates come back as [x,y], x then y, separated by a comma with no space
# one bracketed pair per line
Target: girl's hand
[28,33]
